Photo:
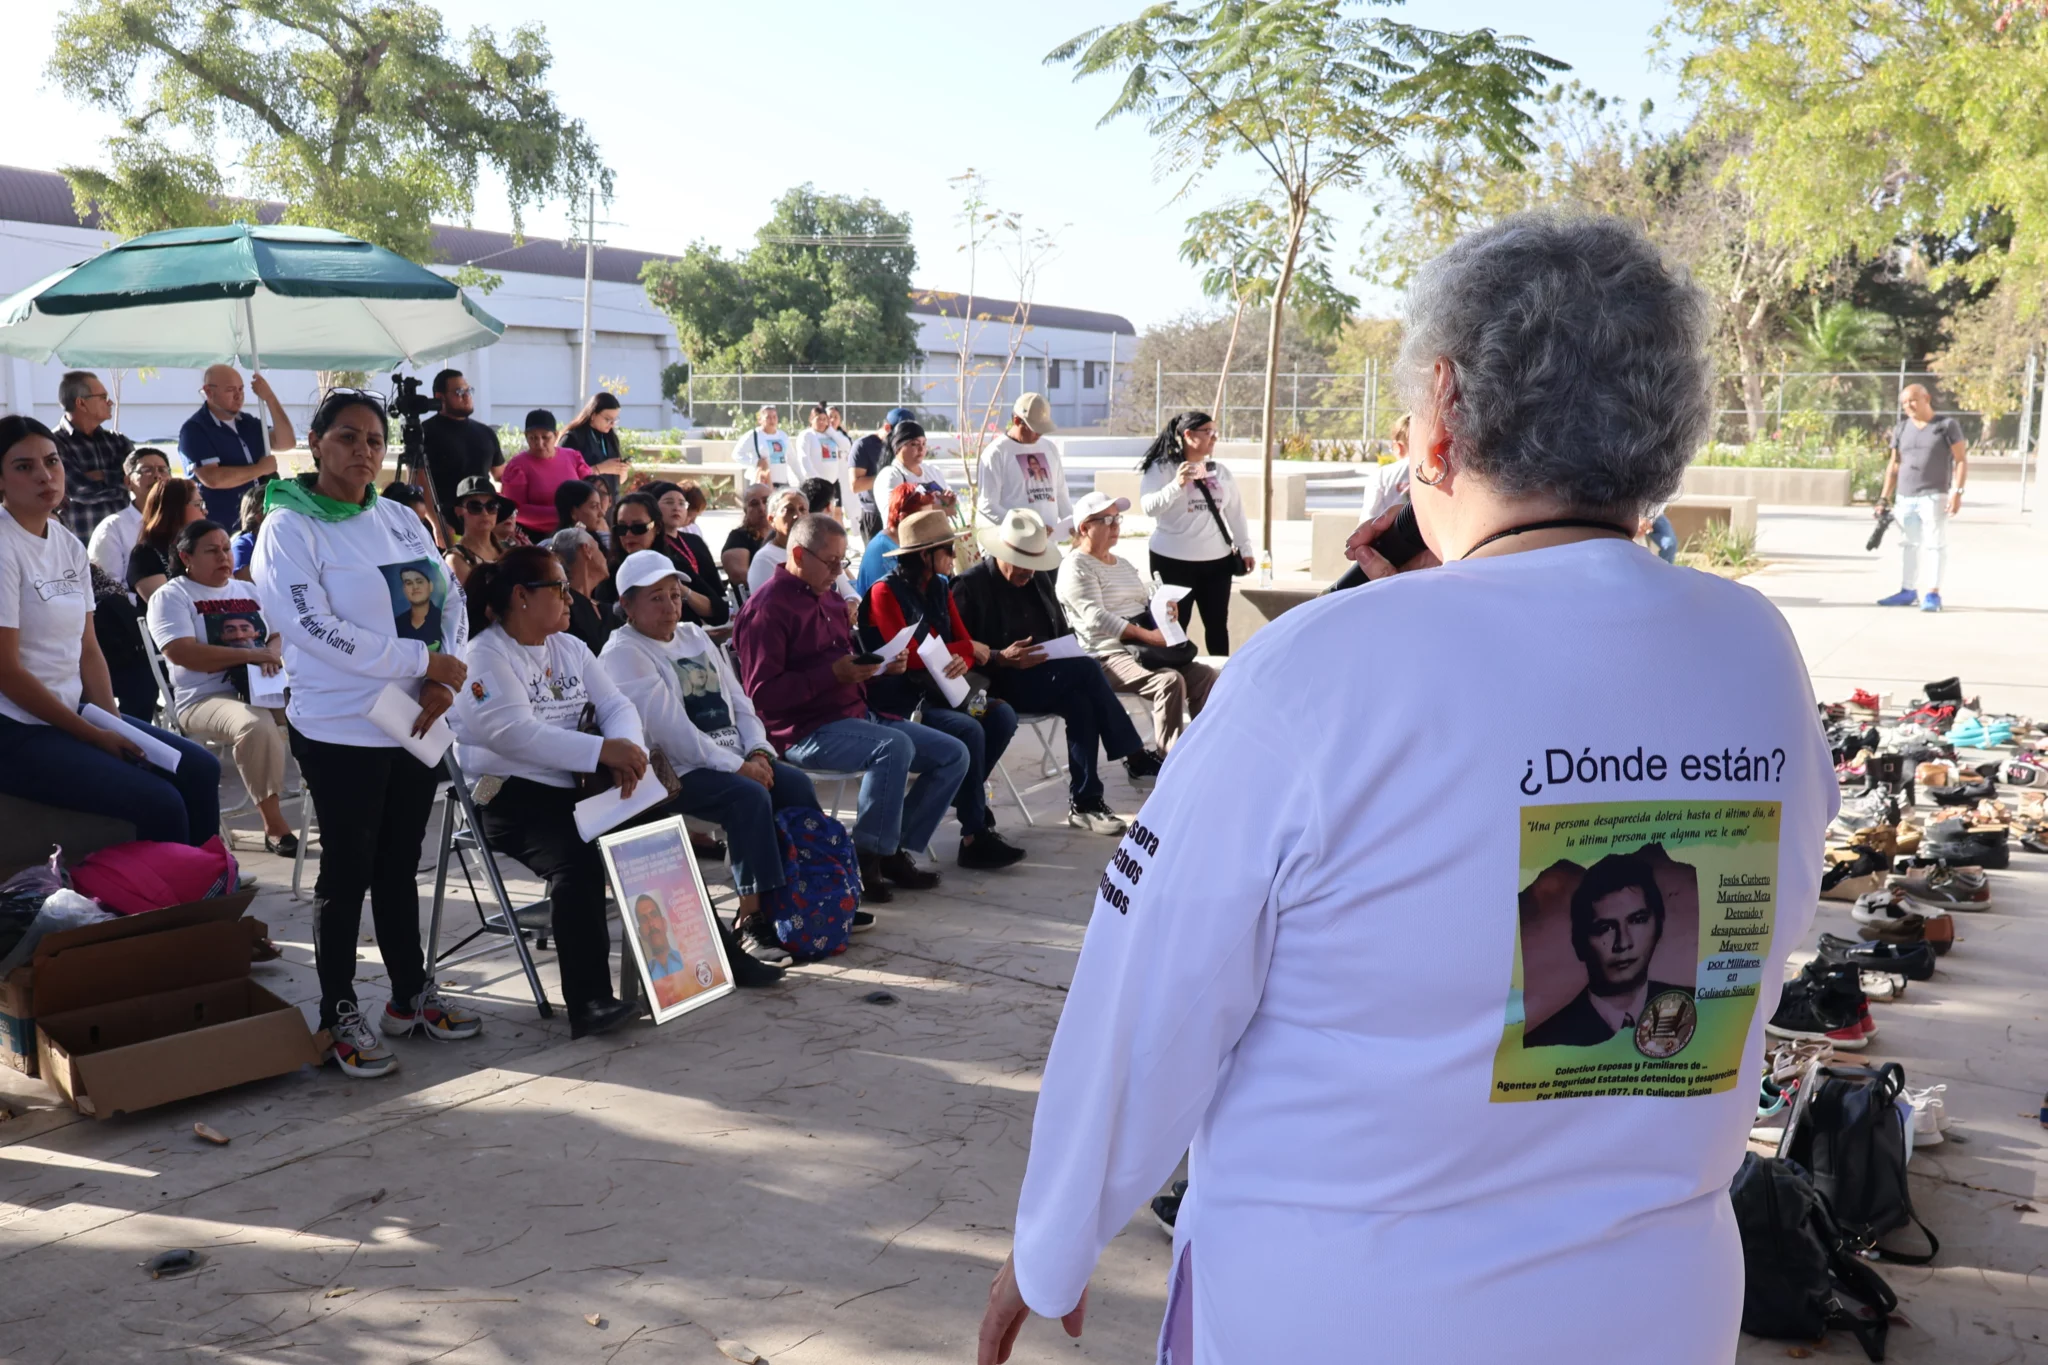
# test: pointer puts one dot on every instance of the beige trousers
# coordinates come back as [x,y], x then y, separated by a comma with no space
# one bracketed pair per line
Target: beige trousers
[255,733]
[1177,695]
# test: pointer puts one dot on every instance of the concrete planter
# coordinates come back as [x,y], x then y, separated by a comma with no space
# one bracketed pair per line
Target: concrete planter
[1772,487]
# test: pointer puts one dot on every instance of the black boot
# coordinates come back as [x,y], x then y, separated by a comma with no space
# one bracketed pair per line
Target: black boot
[748,971]
[873,889]
[598,1016]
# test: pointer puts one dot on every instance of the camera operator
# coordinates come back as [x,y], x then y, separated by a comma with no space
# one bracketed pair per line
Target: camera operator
[1930,464]
[456,445]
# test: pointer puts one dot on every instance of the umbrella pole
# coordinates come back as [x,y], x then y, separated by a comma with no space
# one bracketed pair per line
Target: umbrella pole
[256,368]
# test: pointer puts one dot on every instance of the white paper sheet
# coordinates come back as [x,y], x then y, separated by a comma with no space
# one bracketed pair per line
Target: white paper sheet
[1168,626]
[608,810]
[936,656]
[153,749]
[891,648]
[394,713]
[1064,647]
[266,690]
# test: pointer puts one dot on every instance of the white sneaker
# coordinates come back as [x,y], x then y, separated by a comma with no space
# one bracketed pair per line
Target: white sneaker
[1930,1115]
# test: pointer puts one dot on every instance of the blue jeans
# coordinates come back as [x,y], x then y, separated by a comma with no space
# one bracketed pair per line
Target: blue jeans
[1077,691]
[986,739]
[1663,539]
[889,751]
[42,763]
[746,811]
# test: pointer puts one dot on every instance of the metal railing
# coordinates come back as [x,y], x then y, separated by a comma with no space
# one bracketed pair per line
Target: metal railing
[863,396]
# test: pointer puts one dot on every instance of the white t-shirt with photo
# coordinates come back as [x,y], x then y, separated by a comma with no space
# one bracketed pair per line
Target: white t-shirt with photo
[45,594]
[758,445]
[1317,952]
[893,475]
[1011,474]
[228,616]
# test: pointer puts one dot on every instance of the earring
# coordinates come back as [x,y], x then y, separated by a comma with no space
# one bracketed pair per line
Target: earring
[1417,475]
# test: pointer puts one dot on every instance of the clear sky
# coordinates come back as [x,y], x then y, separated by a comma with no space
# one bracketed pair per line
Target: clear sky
[709,111]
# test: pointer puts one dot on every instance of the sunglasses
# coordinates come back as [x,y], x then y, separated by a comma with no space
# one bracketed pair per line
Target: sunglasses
[477,509]
[1104,521]
[560,585]
[633,528]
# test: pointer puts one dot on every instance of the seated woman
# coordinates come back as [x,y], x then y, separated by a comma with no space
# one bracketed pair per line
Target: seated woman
[476,540]
[168,509]
[209,627]
[520,649]
[636,525]
[243,545]
[693,707]
[680,505]
[50,665]
[580,503]
[1104,597]
[915,594]
[875,563]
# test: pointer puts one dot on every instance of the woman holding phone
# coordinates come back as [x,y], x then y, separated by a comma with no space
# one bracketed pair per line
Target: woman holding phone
[342,568]
[1199,533]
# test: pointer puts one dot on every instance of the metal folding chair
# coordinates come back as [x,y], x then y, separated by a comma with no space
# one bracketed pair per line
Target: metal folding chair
[462,831]
[167,718]
[1045,728]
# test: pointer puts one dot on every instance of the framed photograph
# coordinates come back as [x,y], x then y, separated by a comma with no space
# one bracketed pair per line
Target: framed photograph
[667,917]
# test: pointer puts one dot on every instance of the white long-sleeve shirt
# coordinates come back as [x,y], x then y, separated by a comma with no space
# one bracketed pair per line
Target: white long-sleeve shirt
[517,714]
[1011,474]
[673,711]
[1318,949]
[334,590]
[111,541]
[1101,600]
[823,455]
[1181,525]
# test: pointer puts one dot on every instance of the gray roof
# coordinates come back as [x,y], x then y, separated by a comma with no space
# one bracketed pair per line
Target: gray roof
[33,196]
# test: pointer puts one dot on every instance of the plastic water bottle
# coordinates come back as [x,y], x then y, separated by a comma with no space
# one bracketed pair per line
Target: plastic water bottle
[1265,568]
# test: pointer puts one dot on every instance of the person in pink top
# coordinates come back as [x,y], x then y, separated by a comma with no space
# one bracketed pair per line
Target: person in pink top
[531,477]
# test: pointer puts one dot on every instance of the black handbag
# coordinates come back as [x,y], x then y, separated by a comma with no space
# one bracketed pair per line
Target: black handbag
[1161,656]
[1238,568]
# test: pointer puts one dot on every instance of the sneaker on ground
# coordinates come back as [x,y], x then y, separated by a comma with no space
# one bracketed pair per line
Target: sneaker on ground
[433,1015]
[1941,887]
[1864,1022]
[1931,602]
[989,852]
[757,937]
[1804,1012]
[358,1051]
[901,869]
[1096,818]
[1930,1115]
[862,922]
[1904,597]
[1166,1207]
[1143,766]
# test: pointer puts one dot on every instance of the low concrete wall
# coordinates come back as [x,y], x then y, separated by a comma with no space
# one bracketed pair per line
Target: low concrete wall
[1327,533]
[1691,515]
[1775,487]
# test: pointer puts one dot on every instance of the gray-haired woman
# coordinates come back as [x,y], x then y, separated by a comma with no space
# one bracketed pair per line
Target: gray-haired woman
[1348,908]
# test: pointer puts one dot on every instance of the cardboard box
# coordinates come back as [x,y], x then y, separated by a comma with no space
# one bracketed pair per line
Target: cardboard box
[159,1007]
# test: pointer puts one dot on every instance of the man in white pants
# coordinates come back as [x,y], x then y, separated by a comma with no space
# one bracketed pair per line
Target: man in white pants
[1930,464]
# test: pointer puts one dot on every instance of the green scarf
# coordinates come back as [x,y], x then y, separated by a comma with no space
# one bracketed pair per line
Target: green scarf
[298,494]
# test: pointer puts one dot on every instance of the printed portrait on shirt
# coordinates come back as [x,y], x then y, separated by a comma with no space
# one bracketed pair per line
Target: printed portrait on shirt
[419,593]
[704,700]
[1610,949]
[232,623]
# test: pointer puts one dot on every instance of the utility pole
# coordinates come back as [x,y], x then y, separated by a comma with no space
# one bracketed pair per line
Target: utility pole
[583,389]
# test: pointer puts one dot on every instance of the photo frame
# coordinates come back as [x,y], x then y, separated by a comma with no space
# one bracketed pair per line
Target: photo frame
[666,915]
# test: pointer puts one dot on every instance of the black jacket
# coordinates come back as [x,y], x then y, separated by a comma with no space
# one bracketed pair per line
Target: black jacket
[998,614]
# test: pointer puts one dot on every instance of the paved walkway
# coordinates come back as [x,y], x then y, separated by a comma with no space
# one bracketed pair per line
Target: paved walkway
[828,1180]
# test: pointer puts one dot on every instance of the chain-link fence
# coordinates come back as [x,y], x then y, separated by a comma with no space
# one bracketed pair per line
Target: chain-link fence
[1080,396]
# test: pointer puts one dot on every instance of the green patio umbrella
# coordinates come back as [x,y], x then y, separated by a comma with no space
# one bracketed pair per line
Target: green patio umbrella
[190,297]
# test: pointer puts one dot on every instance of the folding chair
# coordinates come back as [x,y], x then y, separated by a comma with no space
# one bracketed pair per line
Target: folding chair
[1046,729]
[461,831]
[167,718]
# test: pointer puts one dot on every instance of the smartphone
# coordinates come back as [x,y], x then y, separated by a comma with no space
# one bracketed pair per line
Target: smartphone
[868,659]
[1402,541]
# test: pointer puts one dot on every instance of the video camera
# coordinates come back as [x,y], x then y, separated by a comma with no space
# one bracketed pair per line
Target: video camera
[1884,523]
[408,405]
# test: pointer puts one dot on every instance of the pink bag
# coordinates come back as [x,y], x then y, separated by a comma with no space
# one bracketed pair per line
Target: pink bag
[133,878]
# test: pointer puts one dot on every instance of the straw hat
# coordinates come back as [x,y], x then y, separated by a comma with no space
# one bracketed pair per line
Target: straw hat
[1021,539]
[920,531]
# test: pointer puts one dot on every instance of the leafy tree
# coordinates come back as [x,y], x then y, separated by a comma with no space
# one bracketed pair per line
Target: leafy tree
[360,115]
[1318,95]
[1239,248]
[827,283]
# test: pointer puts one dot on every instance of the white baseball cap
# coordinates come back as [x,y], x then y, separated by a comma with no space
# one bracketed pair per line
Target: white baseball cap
[1094,503]
[644,568]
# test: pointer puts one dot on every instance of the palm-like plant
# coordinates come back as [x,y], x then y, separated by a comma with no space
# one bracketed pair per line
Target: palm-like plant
[1838,338]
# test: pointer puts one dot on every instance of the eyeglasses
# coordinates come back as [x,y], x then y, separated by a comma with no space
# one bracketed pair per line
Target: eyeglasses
[375,400]
[560,585]
[461,391]
[633,528]
[835,565]
[1113,520]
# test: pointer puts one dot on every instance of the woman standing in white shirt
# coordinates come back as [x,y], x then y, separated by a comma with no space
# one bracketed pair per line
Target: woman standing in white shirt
[907,445]
[334,562]
[517,721]
[1200,540]
[50,664]
[1330,950]
[209,627]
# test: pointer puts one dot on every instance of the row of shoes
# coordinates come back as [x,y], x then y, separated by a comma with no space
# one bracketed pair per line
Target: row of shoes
[1791,1065]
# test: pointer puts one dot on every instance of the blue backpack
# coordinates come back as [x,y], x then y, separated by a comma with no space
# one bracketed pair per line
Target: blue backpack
[813,908]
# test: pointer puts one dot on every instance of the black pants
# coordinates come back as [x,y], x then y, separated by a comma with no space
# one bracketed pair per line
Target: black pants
[1077,691]
[536,824]
[1210,581]
[373,806]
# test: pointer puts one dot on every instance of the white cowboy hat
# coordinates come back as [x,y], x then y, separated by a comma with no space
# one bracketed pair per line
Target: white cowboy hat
[1021,539]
